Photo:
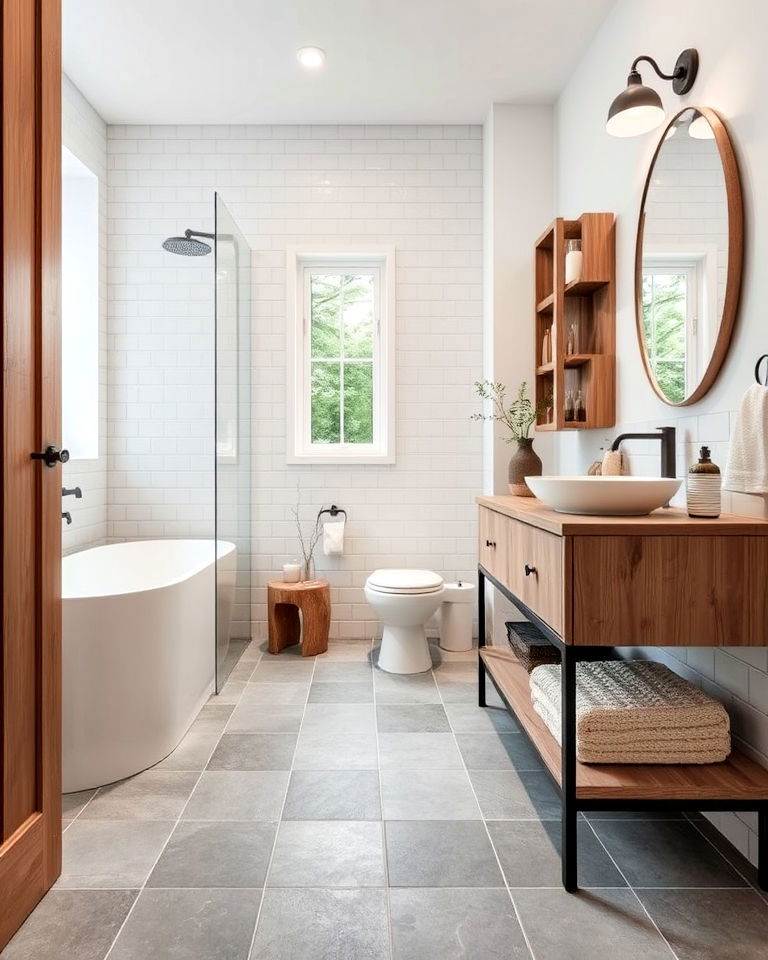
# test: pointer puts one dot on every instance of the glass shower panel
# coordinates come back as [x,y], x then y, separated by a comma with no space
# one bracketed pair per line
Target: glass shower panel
[233,441]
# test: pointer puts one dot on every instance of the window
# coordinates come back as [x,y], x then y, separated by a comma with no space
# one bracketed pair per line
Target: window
[677,289]
[79,308]
[340,356]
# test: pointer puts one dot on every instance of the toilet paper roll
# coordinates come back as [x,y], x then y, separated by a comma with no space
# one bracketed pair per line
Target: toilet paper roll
[333,538]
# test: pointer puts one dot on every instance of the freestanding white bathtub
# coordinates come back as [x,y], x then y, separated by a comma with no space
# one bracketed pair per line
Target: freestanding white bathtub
[139,651]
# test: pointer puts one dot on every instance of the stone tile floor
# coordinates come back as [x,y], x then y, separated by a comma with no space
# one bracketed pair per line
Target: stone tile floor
[322,810]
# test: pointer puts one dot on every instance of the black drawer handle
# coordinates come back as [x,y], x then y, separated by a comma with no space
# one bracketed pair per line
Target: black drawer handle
[529,570]
[490,543]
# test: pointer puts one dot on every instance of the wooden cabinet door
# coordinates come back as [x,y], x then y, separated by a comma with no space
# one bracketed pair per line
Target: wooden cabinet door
[494,543]
[30,669]
[536,576]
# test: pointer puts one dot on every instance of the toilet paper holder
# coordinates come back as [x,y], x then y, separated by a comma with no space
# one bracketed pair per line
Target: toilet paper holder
[333,510]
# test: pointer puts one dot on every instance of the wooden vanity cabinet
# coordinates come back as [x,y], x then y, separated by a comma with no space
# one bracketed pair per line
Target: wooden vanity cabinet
[662,580]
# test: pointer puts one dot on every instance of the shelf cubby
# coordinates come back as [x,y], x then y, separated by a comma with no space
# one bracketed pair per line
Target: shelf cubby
[589,305]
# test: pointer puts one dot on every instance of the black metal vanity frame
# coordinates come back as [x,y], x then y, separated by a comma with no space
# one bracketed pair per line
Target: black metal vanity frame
[571,805]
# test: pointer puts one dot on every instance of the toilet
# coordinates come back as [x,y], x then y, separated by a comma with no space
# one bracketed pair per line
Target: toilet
[404,600]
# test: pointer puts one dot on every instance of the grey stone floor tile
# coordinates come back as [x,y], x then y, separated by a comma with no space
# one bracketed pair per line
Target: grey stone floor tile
[333,795]
[465,693]
[419,751]
[711,924]
[71,924]
[213,718]
[252,717]
[439,853]
[322,925]
[236,795]
[469,718]
[529,853]
[339,718]
[498,751]
[428,795]
[275,670]
[455,924]
[418,688]
[73,803]
[266,694]
[336,671]
[327,853]
[333,692]
[254,751]
[215,854]
[412,718]
[189,925]
[152,795]
[242,670]
[111,854]
[665,853]
[590,925]
[456,671]
[192,753]
[347,651]
[230,693]
[335,751]
[509,795]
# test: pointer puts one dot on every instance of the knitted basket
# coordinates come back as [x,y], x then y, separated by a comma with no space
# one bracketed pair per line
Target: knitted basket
[530,645]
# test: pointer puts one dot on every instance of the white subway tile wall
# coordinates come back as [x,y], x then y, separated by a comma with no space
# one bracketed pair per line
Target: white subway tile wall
[418,188]
[85,135]
[737,676]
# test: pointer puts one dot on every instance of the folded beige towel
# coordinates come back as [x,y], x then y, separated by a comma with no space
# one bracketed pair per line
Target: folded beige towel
[635,712]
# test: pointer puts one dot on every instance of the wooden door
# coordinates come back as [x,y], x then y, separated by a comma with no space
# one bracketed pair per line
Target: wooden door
[30,668]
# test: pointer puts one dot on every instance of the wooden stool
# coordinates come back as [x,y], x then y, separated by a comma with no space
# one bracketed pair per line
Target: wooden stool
[284,600]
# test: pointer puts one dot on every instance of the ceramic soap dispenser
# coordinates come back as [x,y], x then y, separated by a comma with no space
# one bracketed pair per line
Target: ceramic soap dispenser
[703,488]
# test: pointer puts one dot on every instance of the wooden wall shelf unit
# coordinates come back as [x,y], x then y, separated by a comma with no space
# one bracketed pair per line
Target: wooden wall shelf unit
[592,583]
[589,304]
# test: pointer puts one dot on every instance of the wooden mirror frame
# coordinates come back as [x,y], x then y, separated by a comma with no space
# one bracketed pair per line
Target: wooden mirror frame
[735,257]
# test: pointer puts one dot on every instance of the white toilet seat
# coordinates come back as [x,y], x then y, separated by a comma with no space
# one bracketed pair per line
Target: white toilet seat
[405,582]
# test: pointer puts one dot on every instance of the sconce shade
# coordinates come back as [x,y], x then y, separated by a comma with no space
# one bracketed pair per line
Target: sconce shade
[636,110]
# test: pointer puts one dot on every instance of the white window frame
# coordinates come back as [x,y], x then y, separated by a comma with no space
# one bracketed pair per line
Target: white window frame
[300,263]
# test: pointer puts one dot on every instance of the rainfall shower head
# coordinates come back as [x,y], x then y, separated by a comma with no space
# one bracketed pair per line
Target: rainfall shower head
[186,246]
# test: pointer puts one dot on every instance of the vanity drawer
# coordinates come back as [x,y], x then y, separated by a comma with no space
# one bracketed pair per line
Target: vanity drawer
[535,571]
[494,543]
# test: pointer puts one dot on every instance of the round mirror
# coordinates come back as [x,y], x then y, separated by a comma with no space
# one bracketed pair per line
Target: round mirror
[688,259]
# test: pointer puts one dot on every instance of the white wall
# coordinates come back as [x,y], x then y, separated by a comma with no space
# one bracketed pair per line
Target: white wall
[598,172]
[418,188]
[84,134]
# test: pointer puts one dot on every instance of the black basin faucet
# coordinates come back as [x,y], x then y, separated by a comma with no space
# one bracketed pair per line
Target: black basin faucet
[75,492]
[67,516]
[668,451]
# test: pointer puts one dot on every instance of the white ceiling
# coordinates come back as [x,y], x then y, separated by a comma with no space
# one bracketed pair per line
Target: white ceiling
[389,61]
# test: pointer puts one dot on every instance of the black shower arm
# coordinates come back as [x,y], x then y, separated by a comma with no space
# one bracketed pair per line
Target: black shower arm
[664,76]
[199,233]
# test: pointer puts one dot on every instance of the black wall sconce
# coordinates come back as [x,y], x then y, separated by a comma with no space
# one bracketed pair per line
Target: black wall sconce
[638,109]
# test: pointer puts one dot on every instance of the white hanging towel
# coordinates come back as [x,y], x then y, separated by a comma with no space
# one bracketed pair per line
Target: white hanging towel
[747,468]
[333,538]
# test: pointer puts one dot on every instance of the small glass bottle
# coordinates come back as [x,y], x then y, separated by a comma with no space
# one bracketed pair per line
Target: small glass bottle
[573,340]
[703,487]
[545,348]
[579,409]
[569,406]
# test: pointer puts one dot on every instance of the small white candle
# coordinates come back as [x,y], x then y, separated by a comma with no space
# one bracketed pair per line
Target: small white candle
[291,572]
[572,265]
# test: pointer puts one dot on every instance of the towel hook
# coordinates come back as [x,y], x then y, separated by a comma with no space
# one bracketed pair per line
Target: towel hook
[334,511]
[757,371]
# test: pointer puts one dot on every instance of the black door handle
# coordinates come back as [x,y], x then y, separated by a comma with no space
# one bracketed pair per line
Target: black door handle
[51,456]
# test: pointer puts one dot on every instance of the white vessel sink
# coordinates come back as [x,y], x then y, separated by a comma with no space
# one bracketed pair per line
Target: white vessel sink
[604,496]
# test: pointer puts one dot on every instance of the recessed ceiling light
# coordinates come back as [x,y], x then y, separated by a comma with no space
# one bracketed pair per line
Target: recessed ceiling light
[311,57]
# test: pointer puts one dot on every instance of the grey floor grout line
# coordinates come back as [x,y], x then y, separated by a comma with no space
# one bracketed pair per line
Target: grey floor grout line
[483,820]
[387,891]
[280,816]
[141,889]
[632,890]
[732,865]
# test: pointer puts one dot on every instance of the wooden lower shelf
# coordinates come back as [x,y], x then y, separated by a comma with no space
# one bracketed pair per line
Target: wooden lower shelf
[738,777]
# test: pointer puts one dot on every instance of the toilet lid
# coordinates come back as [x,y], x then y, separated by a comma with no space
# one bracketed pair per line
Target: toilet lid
[405,581]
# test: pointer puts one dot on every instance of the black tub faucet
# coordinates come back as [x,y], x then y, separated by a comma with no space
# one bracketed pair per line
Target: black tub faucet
[668,448]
